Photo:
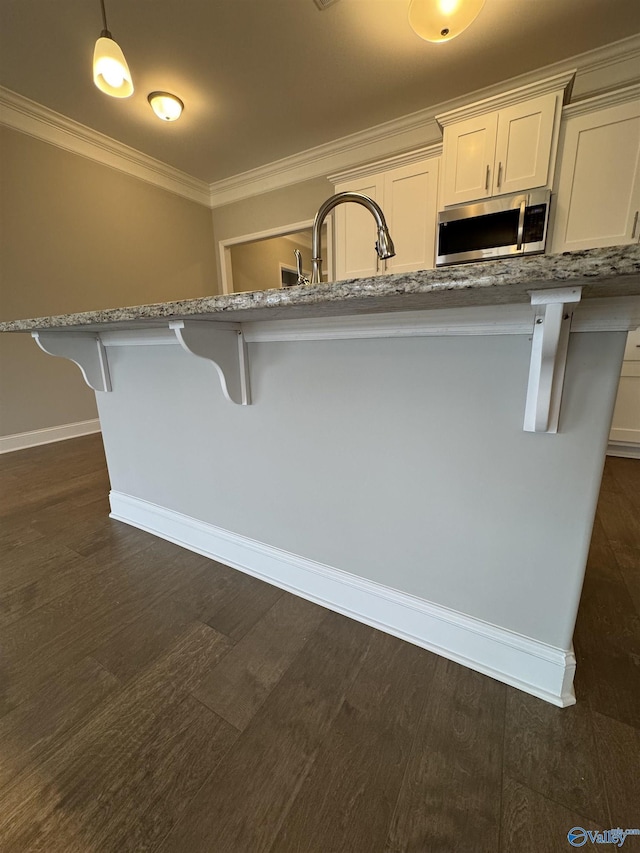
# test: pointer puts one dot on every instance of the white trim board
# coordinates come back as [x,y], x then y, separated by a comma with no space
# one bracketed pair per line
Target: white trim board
[529,665]
[628,450]
[592,315]
[35,120]
[502,100]
[48,435]
[602,102]
[431,152]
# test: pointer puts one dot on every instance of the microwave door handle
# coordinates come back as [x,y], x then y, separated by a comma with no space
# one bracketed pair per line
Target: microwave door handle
[523,207]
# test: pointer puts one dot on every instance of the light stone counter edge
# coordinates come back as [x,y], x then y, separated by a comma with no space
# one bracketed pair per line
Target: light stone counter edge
[609,272]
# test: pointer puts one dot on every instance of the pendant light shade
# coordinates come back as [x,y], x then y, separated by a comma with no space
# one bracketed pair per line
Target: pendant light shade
[110,70]
[166,106]
[442,20]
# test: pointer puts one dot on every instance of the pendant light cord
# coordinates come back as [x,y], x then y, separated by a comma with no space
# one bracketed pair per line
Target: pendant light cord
[105,31]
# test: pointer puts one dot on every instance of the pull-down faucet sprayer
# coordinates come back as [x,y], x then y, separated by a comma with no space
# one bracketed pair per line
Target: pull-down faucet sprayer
[384,244]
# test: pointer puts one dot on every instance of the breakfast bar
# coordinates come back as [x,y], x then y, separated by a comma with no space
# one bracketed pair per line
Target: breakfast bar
[422,452]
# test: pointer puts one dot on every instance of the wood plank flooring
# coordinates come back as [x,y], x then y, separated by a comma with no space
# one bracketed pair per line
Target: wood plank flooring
[154,700]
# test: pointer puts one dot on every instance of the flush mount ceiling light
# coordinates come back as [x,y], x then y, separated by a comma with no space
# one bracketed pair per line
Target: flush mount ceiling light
[442,20]
[110,70]
[166,106]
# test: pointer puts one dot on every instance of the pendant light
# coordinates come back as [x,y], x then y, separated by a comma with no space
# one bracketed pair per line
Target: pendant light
[166,106]
[110,70]
[442,20]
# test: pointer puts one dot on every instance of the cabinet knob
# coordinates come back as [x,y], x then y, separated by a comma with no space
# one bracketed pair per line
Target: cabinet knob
[635,225]
[499,173]
[486,183]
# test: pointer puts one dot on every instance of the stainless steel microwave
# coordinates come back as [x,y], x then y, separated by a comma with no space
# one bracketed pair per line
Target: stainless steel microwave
[496,228]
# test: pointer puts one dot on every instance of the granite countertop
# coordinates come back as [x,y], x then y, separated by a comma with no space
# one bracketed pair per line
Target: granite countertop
[609,272]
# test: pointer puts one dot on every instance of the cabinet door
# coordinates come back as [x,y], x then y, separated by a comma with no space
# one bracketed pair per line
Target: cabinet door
[355,232]
[523,145]
[625,426]
[410,207]
[599,184]
[632,349]
[469,149]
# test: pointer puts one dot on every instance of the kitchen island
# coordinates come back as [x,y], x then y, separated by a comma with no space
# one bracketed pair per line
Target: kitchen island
[422,452]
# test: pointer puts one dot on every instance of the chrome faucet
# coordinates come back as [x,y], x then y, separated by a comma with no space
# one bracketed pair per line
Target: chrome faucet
[384,244]
[302,279]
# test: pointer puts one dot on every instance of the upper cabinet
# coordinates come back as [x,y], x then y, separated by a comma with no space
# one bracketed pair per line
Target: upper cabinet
[355,231]
[467,169]
[504,144]
[407,193]
[598,187]
[523,144]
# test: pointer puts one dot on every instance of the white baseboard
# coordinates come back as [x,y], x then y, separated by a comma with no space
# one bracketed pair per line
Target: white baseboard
[22,440]
[623,448]
[519,661]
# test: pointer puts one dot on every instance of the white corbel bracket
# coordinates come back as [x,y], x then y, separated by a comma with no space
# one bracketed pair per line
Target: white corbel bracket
[82,348]
[225,347]
[552,324]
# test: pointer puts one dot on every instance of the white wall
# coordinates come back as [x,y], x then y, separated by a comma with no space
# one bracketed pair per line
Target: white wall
[402,461]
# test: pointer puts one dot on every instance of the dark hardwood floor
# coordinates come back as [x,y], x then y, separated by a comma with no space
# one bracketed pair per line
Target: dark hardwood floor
[153,700]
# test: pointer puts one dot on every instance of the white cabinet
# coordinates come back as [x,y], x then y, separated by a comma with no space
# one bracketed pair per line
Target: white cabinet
[355,231]
[523,144]
[410,202]
[505,151]
[598,204]
[407,195]
[468,155]
[504,144]
[625,428]
[598,192]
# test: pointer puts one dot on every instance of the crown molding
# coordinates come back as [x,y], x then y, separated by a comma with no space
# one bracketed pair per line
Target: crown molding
[559,82]
[601,102]
[388,163]
[345,156]
[403,134]
[409,131]
[624,50]
[26,116]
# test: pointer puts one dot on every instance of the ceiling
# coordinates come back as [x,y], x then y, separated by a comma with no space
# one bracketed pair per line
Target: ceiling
[264,79]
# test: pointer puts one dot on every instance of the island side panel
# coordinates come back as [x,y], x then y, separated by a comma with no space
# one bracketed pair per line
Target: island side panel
[401,461]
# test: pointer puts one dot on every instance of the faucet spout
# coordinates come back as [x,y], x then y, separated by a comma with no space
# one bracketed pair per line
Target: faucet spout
[384,244]
[302,279]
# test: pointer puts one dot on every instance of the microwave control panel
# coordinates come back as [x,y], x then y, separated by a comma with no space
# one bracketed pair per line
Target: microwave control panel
[535,218]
